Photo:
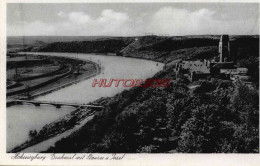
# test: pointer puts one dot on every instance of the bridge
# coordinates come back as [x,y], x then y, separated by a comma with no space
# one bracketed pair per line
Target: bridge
[56,104]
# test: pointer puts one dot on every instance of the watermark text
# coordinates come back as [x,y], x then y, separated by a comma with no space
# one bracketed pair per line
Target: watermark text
[131,83]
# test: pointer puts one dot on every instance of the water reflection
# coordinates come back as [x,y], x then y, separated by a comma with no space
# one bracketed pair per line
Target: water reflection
[23,118]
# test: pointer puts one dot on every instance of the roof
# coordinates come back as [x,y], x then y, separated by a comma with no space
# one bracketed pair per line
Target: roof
[196,66]
[242,69]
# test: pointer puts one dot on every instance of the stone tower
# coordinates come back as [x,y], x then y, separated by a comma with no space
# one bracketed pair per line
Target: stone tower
[224,48]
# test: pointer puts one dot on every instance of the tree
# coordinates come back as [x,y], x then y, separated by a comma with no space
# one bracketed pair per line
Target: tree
[32,134]
[200,132]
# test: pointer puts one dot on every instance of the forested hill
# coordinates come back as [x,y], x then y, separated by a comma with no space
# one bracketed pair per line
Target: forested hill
[217,117]
[158,48]
[97,46]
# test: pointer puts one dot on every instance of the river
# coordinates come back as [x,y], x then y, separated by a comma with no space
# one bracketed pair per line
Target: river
[22,119]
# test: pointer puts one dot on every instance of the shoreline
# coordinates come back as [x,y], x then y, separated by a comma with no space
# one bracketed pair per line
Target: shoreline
[52,135]
[98,71]
[53,129]
[30,143]
[55,88]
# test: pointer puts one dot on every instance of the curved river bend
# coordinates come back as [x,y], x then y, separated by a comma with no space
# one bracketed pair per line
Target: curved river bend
[23,118]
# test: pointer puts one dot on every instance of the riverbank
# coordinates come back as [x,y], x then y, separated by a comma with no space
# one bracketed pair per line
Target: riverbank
[87,70]
[71,82]
[58,130]
[55,128]
[112,67]
[90,69]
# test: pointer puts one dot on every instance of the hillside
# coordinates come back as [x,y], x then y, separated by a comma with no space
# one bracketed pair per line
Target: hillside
[96,46]
[29,42]
[190,47]
[217,117]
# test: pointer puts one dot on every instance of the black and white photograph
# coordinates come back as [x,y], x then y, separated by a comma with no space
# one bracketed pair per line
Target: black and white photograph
[132,78]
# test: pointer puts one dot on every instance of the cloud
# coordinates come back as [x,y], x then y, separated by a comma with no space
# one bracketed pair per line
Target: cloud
[79,18]
[109,23]
[166,20]
[77,23]
[182,22]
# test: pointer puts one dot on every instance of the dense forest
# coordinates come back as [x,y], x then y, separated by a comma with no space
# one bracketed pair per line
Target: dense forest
[219,116]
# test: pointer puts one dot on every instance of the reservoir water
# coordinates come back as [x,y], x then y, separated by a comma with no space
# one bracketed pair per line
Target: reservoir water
[23,118]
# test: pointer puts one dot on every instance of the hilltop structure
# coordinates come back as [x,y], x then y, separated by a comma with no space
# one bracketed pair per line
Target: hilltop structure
[193,70]
[224,49]
[221,66]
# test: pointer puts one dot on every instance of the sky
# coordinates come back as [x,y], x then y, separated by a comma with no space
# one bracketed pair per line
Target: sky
[132,19]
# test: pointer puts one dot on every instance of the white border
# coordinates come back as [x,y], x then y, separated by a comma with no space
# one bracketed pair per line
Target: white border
[130,159]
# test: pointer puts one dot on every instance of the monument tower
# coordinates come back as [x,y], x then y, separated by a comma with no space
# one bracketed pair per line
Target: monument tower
[224,49]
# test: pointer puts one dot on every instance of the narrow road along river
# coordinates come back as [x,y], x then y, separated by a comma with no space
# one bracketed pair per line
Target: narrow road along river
[22,119]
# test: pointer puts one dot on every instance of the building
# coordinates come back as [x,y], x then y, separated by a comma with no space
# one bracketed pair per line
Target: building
[221,66]
[236,71]
[224,49]
[194,70]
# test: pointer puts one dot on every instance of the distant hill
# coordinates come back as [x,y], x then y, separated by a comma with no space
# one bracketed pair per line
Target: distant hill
[96,46]
[22,42]
[29,40]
